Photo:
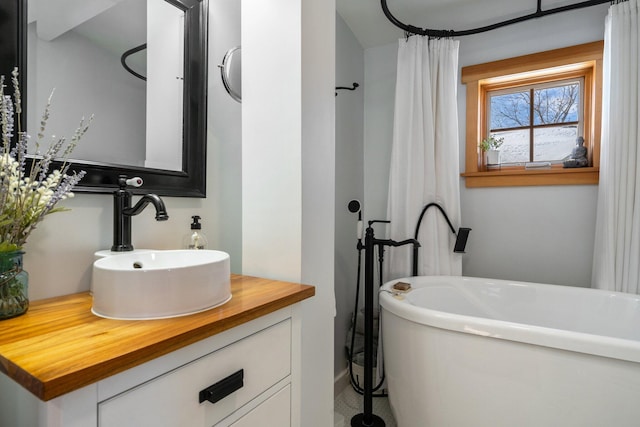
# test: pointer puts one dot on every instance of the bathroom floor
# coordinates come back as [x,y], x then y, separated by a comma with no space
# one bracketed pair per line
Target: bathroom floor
[349,403]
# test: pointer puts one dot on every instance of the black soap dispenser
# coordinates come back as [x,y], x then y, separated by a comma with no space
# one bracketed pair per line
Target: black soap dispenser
[195,239]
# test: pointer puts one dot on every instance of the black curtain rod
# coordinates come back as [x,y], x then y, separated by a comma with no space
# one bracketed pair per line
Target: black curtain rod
[410,29]
[123,60]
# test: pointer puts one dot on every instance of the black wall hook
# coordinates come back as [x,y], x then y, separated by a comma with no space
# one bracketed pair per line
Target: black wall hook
[355,86]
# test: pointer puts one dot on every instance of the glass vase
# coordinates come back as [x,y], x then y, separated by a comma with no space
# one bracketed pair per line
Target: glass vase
[14,282]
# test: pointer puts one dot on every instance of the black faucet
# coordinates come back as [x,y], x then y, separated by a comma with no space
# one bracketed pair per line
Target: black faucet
[122,212]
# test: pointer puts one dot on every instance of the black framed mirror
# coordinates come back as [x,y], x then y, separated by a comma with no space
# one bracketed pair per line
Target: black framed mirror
[188,179]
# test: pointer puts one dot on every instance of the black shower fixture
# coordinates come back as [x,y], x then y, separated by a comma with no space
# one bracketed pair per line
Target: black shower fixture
[461,240]
[354,206]
[461,236]
[367,418]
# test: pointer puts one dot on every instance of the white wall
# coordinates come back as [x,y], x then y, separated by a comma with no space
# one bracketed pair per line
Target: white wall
[271,133]
[224,139]
[349,179]
[288,170]
[541,234]
[318,208]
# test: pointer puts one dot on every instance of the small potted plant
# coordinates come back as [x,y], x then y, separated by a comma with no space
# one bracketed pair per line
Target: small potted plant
[491,146]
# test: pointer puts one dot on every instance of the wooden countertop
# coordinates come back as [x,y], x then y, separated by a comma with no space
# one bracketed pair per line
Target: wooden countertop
[59,346]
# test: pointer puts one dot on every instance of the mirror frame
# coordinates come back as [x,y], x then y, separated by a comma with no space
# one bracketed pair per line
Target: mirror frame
[103,177]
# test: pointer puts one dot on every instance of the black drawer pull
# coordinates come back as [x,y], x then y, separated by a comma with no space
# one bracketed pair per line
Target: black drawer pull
[223,388]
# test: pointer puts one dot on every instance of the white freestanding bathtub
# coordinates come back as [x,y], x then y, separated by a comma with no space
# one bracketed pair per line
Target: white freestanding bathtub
[469,352]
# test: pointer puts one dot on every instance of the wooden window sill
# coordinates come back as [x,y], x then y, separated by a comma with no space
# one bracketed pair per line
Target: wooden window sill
[517,177]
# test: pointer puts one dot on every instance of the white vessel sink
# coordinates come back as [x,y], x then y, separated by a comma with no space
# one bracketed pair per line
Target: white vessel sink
[160,284]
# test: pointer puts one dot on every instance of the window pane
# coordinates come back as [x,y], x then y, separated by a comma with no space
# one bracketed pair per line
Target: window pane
[516,146]
[510,110]
[553,143]
[557,104]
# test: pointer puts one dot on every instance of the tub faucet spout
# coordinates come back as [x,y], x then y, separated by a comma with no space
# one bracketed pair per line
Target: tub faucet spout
[123,211]
[387,242]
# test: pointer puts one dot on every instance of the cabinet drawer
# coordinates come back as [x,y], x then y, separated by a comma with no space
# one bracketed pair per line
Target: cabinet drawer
[173,399]
[273,412]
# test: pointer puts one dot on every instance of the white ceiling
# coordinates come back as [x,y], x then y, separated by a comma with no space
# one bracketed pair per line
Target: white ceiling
[367,21]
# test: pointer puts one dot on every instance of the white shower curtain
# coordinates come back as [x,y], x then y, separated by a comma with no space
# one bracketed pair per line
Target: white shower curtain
[616,260]
[424,159]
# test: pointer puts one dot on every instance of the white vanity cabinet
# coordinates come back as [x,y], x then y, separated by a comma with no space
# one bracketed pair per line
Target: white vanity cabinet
[260,362]
[251,372]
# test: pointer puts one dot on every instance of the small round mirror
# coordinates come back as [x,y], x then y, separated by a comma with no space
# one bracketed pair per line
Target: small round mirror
[231,71]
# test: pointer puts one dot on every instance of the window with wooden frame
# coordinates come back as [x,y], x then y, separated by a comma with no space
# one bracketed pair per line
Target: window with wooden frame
[539,104]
